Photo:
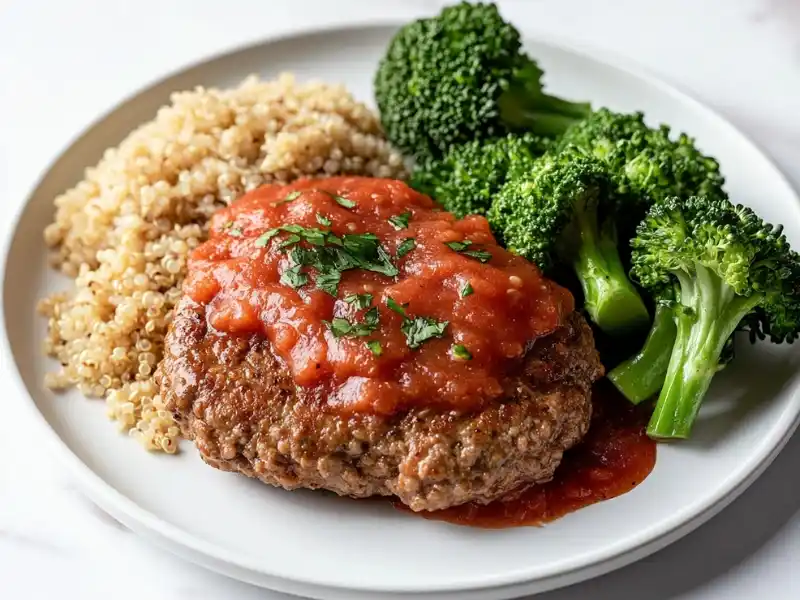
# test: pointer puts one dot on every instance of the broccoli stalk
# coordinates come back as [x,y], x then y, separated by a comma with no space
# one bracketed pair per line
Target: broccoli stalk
[609,297]
[561,213]
[641,376]
[523,104]
[709,315]
[461,76]
[727,266]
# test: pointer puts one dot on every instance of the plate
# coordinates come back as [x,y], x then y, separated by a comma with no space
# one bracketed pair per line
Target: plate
[327,547]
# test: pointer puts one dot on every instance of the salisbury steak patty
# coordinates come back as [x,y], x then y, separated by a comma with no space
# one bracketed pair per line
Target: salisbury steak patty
[237,401]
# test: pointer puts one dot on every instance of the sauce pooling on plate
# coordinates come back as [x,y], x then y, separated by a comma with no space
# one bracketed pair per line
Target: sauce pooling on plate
[614,457]
[375,299]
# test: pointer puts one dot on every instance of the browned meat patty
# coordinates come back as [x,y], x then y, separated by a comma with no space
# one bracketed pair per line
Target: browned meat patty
[236,400]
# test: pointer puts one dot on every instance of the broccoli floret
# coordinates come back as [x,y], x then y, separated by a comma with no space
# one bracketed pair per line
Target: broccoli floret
[460,76]
[715,267]
[467,178]
[644,162]
[561,212]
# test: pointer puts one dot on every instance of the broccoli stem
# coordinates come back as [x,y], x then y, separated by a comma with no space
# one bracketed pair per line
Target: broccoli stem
[642,375]
[540,113]
[711,311]
[609,297]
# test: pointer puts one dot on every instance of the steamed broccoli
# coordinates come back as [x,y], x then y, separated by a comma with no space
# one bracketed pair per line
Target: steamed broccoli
[644,162]
[467,178]
[562,212]
[460,76]
[715,267]
[641,376]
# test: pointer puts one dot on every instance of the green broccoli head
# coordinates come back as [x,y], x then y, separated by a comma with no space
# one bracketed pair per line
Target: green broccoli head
[538,215]
[460,76]
[720,268]
[645,163]
[696,240]
[562,213]
[466,179]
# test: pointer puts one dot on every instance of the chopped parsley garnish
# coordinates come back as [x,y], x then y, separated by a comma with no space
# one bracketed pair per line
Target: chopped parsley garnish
[406,246]
[265,237]
[460,352]
[341,327]
[422,329]
[375,347]
[466,290]
[289,197]
[417,329]
[330,255]
[293,277]
[463,248]
[342,201]
[323,220]
[360,300]
[229,227]
[328,282]
[458,246]
[395,306]
[481,255]
[400,221]
[292,239]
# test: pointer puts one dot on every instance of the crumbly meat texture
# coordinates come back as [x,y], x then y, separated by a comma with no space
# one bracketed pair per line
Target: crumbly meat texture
[236,400]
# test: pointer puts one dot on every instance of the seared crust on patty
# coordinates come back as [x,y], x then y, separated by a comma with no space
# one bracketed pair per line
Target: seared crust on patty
[237,401]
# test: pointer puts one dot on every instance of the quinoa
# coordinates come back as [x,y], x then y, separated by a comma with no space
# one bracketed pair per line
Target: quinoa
[124,232]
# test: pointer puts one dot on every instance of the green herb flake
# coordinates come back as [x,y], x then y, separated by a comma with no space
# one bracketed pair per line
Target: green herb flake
[342,201]
[390,302]
[422,329]
[400,221]
[339,327]
[375,347]
[481,255]
[406,246]
[289,197]
[331,255]
[458,246]
[369,324]
[265,237]
[328,281]
[463,248]
[360,300]
[229,227]
[460,352]
[417,329]
[293,277]
[292,239]
[466,290]
[323,220]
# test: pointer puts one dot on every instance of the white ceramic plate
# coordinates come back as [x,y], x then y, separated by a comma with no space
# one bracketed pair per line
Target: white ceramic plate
[326,547]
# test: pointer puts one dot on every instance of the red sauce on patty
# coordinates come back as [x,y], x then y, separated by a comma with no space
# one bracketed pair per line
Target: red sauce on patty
[471,309]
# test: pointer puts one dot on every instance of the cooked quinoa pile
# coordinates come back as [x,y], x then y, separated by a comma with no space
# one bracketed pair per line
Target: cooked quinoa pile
[124,232]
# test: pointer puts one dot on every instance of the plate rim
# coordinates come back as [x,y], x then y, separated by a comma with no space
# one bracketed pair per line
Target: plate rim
[217,558]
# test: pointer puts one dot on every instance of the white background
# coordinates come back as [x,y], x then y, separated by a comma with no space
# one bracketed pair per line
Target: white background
[63,62]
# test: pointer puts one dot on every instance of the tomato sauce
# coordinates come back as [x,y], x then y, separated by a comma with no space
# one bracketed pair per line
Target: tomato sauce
[486,305]
[615,456]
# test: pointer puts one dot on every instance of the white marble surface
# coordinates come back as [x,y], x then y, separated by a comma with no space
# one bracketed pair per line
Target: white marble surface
[62,62]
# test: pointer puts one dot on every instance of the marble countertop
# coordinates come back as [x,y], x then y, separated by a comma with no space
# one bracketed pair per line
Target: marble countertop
[61,63]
